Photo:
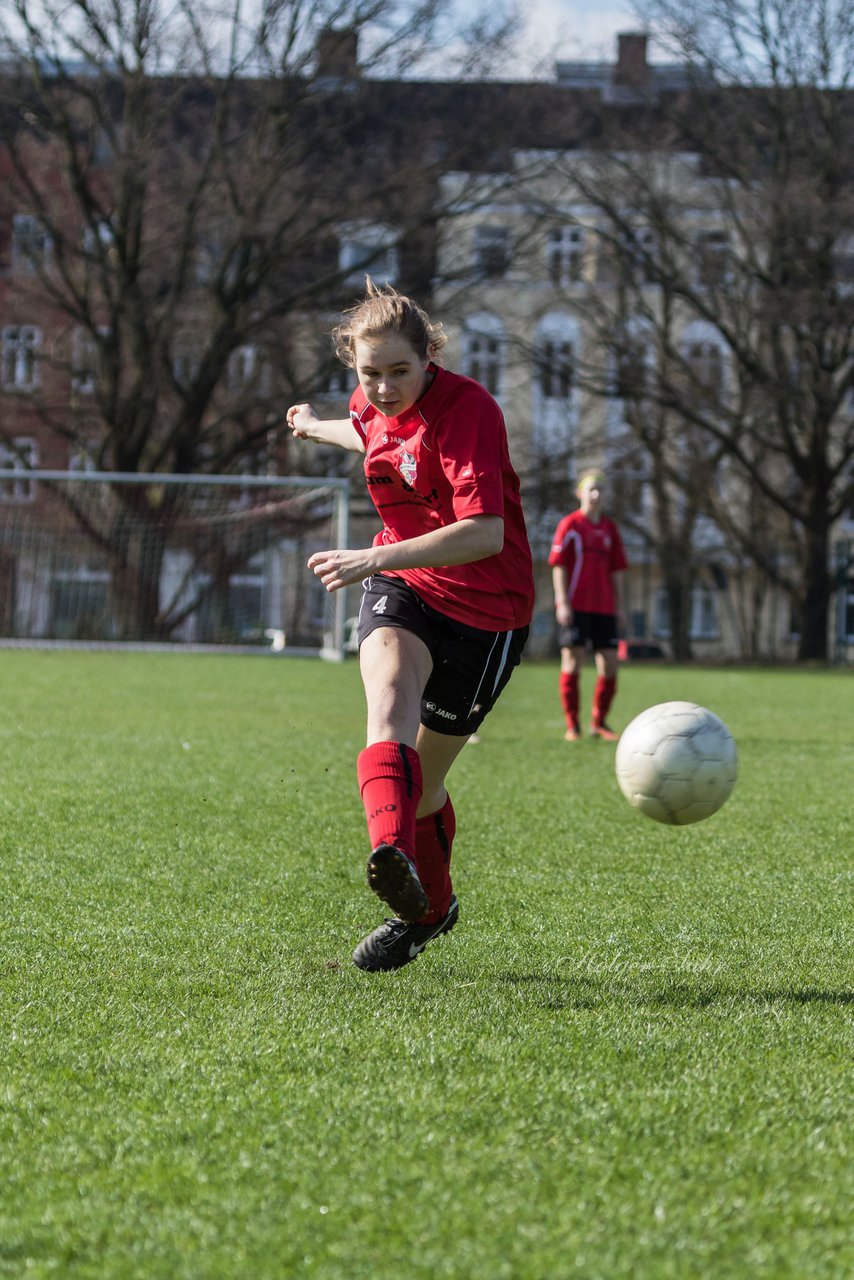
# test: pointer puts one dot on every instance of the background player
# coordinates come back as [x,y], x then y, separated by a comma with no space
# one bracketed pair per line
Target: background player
[587,557]
[447,597]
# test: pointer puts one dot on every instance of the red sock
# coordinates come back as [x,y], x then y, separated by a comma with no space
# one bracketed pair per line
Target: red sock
[603,696]
[434,837]
[569,697]
[390,782]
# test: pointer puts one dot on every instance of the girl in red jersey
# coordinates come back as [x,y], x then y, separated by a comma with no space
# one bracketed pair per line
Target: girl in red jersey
[587,557]
[448,593]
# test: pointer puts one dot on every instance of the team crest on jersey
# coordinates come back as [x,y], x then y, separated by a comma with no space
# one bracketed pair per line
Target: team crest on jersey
[407,466]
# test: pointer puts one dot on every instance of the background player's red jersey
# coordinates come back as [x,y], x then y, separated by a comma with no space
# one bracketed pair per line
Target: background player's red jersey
[443,460]
[590,551]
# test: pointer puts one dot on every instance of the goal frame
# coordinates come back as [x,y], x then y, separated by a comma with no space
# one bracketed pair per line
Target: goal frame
[333,644]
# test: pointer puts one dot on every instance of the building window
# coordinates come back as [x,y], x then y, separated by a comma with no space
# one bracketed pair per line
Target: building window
[556,342]
[19,369]
[555,368]
[81,456]
[628,486]
[85,361]
[703,623]
[99,240]
[491,252]
[843,262]
[368,249]
[483,350]
[20,455]
[846,606]
[713,259]
[643,250]
[553,409]
[186,363]
[245,370]
[705,361]
[565,255]
[31,243]
[336,380]
[627,256]
[630,372]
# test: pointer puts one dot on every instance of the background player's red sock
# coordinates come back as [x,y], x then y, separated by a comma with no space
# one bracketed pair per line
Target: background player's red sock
[390,782]
[568,684]
[603,696]
[434,838]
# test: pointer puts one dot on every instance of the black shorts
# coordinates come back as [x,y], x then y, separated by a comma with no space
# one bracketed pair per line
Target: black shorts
[589,631]
[470,666]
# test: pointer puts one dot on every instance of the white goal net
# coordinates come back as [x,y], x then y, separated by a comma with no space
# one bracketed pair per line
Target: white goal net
[107,558]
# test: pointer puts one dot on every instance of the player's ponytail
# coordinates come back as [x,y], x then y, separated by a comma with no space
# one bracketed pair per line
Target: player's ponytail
[383,311]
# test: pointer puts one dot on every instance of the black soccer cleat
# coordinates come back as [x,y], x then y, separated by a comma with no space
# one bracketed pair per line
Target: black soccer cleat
[396,943]
[393,877]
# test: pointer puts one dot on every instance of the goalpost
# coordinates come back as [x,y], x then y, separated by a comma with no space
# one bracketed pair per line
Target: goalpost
[107,559]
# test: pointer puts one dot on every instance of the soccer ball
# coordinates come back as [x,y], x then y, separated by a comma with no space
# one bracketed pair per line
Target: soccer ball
[676,762]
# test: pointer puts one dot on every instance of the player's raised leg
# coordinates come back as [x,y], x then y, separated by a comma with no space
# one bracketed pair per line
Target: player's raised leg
[397,942]
[395,666]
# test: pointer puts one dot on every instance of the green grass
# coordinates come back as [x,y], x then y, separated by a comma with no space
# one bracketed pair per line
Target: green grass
[632,1058]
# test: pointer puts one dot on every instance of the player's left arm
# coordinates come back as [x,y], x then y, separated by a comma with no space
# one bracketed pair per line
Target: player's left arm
[465,541]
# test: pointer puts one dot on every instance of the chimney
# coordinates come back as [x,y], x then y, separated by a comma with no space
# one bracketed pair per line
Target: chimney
[337,54]
[632,69]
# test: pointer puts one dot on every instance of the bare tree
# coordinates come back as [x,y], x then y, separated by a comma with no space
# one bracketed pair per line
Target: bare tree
[729,213]
[182,175]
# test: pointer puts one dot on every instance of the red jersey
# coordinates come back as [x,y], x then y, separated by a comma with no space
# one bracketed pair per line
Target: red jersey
[590,551]
[443,460]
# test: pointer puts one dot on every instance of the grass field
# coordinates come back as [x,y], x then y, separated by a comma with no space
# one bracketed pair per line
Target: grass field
[632,1058]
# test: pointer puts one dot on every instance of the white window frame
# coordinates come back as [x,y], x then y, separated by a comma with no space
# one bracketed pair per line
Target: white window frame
[843,264]
[555,416]
[32,243]
[565,250]
[645,246]
[85,360]
[555,367]
[22,455]
[19,356]
[698,342]
[483,350]
[614,247]
[368,249]
[185,363]
[99,239]
[714,258]
[246,369]
[80,458]
[704,623]
[492,251]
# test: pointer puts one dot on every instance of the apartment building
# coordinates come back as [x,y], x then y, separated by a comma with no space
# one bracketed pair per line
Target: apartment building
[514,212]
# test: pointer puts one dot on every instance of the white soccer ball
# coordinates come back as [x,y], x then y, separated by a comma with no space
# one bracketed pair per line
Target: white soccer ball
[676,762]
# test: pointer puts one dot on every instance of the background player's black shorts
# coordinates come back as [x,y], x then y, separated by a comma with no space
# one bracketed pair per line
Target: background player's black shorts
[470,666]
[590,630]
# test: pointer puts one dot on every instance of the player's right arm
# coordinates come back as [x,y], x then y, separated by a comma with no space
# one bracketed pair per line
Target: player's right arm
[306,425]
[560,583]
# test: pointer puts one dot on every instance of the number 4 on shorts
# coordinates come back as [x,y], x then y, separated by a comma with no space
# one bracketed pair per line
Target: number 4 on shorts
[380,605]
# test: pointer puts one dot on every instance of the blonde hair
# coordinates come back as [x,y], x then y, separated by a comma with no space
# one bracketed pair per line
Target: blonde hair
[590,478]
[383,310]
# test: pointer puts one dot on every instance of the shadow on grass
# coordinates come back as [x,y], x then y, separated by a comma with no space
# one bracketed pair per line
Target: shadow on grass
[585,992]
